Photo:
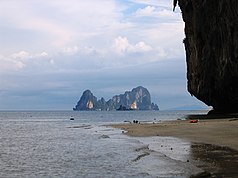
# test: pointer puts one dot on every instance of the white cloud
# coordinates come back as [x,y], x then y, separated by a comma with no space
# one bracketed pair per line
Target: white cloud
[76,44]
[61,23]
[122,45]
[26,55]
[71,50]
[22,16]
[9,64]
[55,25]
[21,55]
[141,46]
[160,13]
[147,11]
[21,60]
[160,3]
[43,54]
[19,64]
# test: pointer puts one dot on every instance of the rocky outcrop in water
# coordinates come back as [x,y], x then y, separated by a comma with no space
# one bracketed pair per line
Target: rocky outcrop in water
[137,99]
[211,44]
[87,101]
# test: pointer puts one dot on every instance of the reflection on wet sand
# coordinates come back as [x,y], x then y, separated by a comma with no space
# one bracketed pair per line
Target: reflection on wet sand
[217,160]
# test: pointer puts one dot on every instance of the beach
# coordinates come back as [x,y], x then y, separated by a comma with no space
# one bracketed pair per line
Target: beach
[222,132]
[214,143]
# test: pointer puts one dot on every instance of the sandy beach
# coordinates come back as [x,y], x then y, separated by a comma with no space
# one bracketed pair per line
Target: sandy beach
[214,143]
[222,132]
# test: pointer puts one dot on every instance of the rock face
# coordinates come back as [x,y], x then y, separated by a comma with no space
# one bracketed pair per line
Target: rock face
[137,99]
[211,44]
[87,101]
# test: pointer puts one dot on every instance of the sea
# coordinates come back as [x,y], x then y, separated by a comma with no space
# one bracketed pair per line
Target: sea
[81,144]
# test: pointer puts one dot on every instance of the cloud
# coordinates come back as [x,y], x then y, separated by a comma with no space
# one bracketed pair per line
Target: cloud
[152,11]
[159,3]
[50,51]
[71,50]
[159,11]
[26,19]
[147,11]
[22,60]
[60,23]
[11,64]
[21,55]
[122,45]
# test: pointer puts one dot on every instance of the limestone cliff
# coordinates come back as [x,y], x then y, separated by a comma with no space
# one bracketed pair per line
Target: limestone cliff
[137,99]
[211,44]
[87,101]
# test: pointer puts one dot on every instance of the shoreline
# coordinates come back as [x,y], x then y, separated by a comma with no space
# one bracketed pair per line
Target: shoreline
[221,132]
[213,143]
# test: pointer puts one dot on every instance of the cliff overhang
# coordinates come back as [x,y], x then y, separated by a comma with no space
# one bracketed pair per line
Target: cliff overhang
[211,44]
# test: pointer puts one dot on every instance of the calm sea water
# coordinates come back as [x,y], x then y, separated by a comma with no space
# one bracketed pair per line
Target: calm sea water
[49,144]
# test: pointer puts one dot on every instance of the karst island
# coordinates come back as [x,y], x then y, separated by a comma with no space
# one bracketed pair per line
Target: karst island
[137,99]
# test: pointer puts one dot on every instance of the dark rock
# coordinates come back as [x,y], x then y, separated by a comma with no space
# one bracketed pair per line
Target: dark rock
[122,108]
[154,106]
[137,99]
[141,156]
[87,101]
[103,136]
[135,121]
[202,175]
[211,44]
[102,104]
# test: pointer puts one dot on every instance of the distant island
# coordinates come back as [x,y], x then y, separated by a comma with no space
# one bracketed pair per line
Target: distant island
[137,99]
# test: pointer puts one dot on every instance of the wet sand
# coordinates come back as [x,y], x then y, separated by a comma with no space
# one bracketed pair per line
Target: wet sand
[222,132]
[214,143]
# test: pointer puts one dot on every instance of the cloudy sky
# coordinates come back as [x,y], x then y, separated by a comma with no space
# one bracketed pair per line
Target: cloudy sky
[53,50]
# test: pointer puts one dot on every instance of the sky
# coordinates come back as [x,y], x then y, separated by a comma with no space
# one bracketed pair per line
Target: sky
[53,50]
